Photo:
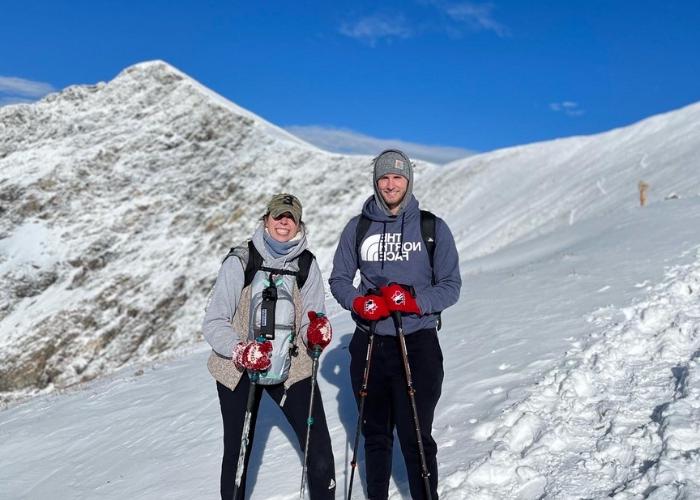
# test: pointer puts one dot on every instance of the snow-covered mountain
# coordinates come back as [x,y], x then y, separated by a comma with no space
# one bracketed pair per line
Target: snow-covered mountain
[117,202]
[571,359]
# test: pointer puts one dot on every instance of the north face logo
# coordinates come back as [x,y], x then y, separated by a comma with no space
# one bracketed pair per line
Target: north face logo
[389,248]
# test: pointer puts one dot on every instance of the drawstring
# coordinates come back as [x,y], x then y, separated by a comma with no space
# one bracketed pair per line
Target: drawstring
[382,245]
[382,240]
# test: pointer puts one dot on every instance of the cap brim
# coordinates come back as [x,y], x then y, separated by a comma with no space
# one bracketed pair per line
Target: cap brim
[276,213]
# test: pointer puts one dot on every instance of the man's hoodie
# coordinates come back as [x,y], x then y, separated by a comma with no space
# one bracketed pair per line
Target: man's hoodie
[393,251]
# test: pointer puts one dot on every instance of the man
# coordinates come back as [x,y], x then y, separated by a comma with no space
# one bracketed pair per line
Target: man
[393,258]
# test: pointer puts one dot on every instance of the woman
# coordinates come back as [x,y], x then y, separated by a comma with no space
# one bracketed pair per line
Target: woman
[267,295]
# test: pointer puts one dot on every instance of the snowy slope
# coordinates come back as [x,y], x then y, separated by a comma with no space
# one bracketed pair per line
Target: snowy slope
[570,375]
[620,417]
[520,192]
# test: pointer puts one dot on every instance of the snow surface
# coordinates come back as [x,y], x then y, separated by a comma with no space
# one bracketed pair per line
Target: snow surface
[574,375]
[571,359]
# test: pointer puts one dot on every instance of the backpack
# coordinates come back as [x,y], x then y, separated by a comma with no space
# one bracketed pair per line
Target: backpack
[255,264]
[272,307]
[427,229]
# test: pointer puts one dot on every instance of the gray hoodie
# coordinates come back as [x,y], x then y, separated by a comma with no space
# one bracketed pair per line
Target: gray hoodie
[393,251]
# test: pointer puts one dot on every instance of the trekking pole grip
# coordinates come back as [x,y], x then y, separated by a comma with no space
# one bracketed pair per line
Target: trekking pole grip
[396,316]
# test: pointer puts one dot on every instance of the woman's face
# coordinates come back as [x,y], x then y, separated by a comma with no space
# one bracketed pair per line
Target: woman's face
[282,228]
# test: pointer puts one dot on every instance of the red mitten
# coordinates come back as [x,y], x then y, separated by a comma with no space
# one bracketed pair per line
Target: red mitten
[370,307]
[399,299]
[253,356]
[237,355]
[319,333]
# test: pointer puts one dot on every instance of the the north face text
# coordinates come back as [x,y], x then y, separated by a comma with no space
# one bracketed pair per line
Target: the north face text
[388,248]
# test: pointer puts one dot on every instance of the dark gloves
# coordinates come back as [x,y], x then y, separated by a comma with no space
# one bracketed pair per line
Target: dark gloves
[398,298]
[319,332]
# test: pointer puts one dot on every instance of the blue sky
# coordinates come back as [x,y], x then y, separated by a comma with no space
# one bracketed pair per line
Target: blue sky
[463,74]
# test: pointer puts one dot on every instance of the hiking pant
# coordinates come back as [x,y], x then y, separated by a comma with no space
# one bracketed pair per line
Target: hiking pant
[387,406]
[321,466]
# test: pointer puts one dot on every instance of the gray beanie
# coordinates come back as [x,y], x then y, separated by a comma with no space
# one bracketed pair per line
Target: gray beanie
[392,161]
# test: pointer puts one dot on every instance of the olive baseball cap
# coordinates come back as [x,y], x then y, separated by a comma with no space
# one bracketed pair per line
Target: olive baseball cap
[283,203]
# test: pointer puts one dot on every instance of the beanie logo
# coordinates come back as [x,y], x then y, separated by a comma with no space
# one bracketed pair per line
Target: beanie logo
[373,249]
[400,164]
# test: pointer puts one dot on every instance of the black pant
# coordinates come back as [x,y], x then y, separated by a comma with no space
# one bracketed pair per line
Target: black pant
[387,405]
[321,466]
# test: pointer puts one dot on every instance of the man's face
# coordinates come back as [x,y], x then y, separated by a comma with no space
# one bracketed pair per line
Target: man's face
[393,188]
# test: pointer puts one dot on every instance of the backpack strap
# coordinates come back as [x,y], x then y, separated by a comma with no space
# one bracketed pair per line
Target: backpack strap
[304,260]
[427,229]
[255,264]
[361,229]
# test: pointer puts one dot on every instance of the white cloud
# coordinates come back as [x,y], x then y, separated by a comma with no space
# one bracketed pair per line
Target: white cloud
[442,16]
[15,90]
[379,26]
[349,142]
[475,16]
[569,108]
[13,86]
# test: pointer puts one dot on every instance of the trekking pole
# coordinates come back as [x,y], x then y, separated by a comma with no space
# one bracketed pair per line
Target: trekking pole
[315,354]
[411,395]
[248,424]
[363,395]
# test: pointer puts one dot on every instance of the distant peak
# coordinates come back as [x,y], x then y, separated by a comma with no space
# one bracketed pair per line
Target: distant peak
[157,64]
[165,73]
[156,68]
